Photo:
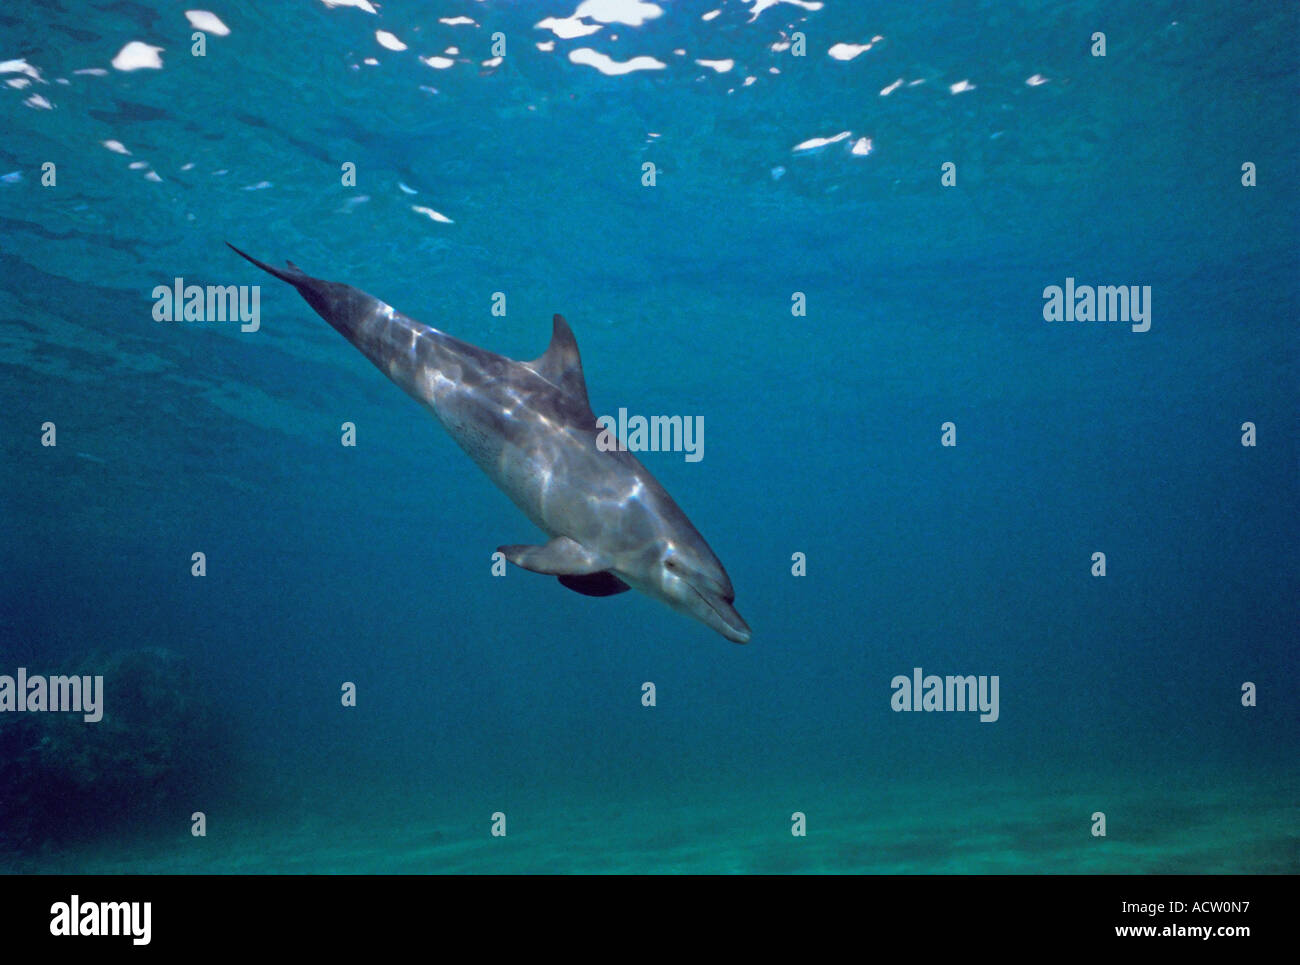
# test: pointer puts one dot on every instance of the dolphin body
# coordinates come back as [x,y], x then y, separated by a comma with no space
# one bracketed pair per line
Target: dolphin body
[529,426]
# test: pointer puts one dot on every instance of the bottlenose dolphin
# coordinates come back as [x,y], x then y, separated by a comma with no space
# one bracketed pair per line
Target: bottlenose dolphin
[529,426]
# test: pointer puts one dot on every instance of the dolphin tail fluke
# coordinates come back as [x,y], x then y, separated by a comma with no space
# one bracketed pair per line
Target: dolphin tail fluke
[294,275]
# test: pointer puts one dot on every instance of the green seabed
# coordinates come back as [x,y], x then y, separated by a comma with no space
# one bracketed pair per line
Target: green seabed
[1233,825]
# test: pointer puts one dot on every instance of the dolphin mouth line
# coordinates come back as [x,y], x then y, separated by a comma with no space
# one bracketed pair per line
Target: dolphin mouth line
[718,613]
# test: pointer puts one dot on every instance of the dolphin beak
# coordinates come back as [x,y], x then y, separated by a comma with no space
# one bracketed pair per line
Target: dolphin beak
[726,620]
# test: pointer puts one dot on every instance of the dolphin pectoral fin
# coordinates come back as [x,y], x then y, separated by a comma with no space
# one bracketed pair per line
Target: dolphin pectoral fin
[603,583]
[560,557]
[572,563]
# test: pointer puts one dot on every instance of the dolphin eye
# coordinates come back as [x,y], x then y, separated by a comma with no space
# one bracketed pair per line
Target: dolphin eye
[671,564]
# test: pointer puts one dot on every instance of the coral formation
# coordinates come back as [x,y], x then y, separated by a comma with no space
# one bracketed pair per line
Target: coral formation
[63,778]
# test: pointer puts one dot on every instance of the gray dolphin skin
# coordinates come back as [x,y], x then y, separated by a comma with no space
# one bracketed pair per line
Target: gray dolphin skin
[529,426]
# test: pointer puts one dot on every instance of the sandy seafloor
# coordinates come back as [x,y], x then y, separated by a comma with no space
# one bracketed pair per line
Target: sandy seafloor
[1229,826]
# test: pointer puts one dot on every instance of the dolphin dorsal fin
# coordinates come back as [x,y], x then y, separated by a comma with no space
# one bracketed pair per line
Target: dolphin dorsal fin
[561,365]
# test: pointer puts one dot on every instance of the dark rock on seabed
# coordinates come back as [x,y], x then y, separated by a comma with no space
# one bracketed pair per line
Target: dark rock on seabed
[158,748]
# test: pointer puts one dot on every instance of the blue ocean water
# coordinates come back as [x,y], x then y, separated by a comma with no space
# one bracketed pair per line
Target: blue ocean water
[797,149]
